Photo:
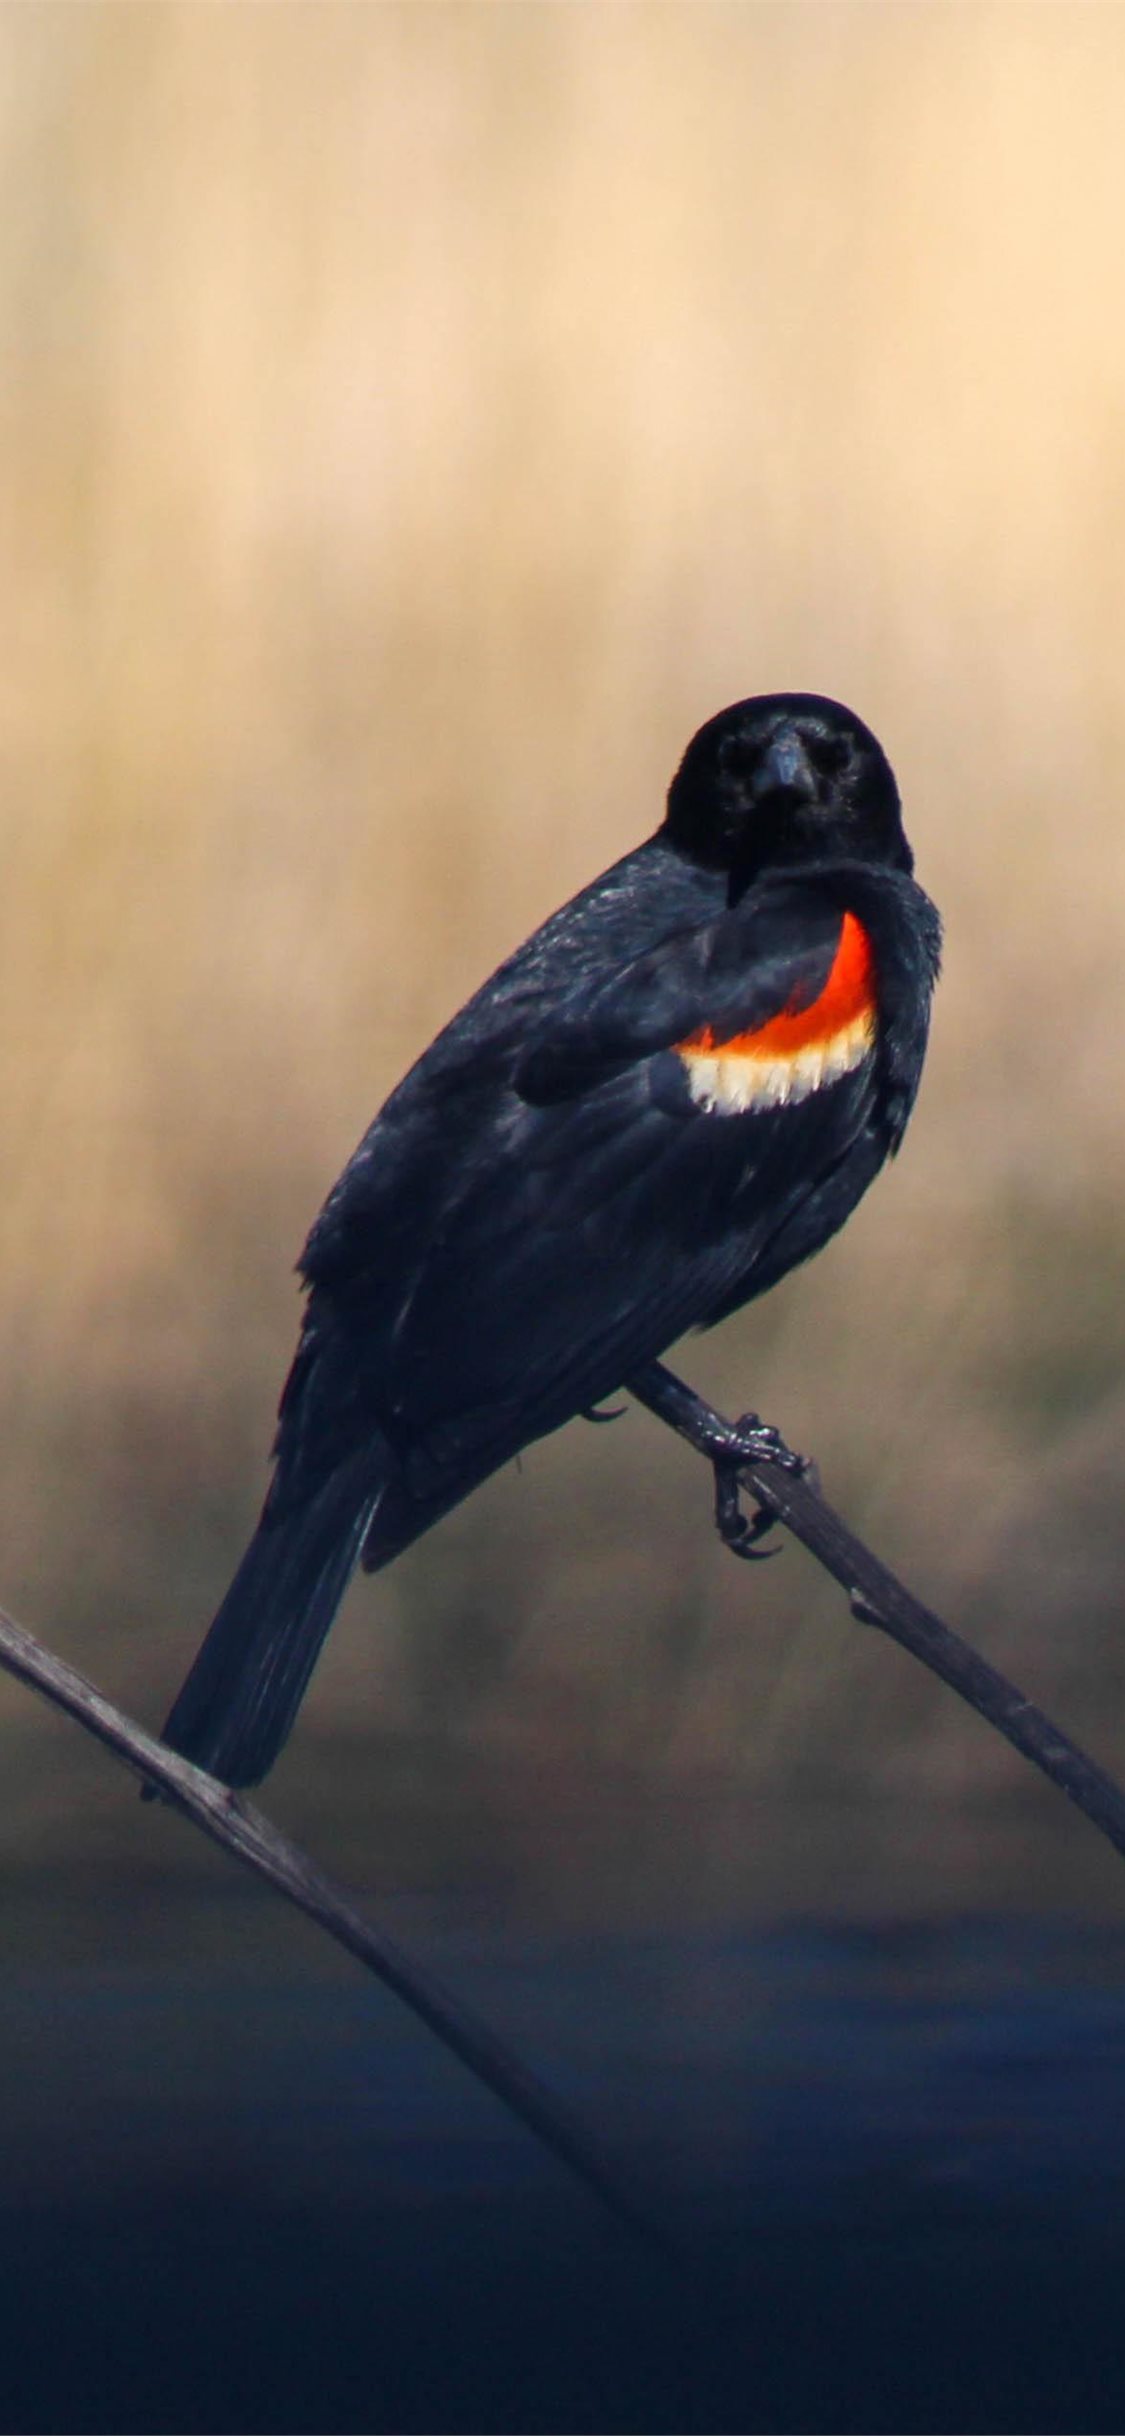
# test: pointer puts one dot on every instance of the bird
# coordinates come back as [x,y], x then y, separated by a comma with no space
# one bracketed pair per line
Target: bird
[675,1091]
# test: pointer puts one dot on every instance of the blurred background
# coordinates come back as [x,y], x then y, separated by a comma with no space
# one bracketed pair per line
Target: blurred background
[416,420]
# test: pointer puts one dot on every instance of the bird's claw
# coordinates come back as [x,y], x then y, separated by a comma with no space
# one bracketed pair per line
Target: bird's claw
[738,1531]
[750,1441]
[612,1412]
[755,1441]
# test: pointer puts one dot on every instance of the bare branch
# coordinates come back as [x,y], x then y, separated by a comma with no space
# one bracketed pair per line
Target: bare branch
[877,1598]
[742,1454]
[249,1836]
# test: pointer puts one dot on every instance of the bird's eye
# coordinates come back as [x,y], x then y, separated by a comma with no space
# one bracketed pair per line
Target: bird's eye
[829,755]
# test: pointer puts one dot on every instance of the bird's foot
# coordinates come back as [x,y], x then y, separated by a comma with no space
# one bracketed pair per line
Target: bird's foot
[738,1531]
[610,1412]
[751,1440]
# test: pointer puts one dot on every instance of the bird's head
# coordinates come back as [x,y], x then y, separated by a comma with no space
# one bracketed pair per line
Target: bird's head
[785,779]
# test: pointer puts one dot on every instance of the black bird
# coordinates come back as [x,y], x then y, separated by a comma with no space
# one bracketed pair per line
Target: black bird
[677,1089]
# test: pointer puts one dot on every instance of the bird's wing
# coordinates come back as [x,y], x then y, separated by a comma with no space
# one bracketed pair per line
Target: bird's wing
[614,1199]
[770,954]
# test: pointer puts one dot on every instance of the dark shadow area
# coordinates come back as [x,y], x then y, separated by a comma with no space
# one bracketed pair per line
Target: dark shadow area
[895,2157]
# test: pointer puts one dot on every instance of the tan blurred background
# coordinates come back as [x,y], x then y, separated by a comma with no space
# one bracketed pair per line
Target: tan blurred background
[416,419]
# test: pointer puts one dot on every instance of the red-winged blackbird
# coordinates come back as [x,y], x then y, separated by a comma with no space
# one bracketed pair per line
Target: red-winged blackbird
[677,1089]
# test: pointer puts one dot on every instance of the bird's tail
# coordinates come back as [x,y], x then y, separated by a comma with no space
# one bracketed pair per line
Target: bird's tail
[238,1704]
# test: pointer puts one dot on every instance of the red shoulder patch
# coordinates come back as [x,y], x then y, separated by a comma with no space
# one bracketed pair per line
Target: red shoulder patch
[797,1051]
[848,993]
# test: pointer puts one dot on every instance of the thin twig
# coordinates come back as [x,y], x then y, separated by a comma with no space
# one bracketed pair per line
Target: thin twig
[877,1598]
[242,1830]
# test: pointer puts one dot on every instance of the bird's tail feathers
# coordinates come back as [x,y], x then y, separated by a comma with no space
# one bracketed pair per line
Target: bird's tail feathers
[237,1705]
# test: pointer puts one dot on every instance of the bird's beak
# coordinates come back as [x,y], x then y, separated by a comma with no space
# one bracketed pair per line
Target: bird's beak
[784,769]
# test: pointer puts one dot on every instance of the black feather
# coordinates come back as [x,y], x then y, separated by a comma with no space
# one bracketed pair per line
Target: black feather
[239,1701]
[541,1208]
